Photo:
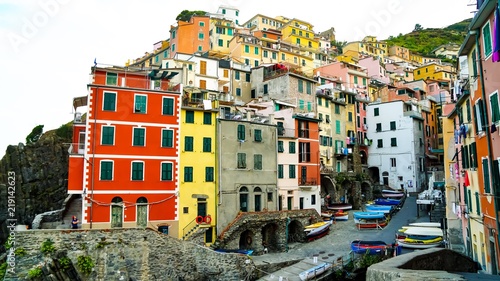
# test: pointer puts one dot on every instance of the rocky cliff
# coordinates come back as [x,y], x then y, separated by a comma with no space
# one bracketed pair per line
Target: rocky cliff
[40,173]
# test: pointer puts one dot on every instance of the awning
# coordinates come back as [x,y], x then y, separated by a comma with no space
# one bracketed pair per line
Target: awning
[430,156]
[79,101]
[284,103]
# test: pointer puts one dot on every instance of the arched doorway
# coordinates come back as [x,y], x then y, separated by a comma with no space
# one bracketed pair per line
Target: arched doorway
[270,237]
[244,199]
[117,212]
[385,178]
[257,194]
[295,232]
[142,212]
[246,240]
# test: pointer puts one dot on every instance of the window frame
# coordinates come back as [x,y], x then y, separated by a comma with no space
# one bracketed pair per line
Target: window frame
[140,110]
[102,134]
[110,171]
[104,107]
[138,137]
[133,170]
[188,143]
[165,139]
[168,173]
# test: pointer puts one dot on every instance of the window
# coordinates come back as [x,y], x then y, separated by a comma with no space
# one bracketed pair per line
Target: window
[487,48]
[394,142]
[247,49]
[495,109]
[242,161]
[256,50]
[106,170]
[281,147]
[270,197]
[203,67]
[337,127]
[393,162]
[190,116]
[486,175]
[201,36]
[356,80]
[393,125]
[301,86]
[320,117]
[207,118]
[265,53]
[280,171]
[308,87]
[108,135]
[140,104]
[139,136]
[111,78]
[237,75]
[379,127]
[209,174]
[349,116]
[380,143]
[168,106]
[257,161]
[188,143]
[337,109]
[313,199]
[247,77]
[320,101]
[166,171]
[376,111]
[291,147]
[138,171]
[188,174]
[291,171]
[328,119]
[207,145]
[167,138]
[241,132]
[258,135]
[304,152]
[109,103]
[479,116]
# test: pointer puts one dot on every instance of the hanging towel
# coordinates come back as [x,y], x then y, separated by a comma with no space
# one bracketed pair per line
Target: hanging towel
[496,36]
[456,136]
[466,180]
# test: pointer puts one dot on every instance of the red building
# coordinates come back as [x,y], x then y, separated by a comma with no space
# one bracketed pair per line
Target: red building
[124,157]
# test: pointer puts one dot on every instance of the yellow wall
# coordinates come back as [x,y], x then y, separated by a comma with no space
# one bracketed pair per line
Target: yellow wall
[199,160]
[227,25]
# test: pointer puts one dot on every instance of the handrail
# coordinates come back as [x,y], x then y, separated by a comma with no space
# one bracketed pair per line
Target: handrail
[189,226]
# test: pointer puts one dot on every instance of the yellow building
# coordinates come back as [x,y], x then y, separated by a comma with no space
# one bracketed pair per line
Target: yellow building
[368,46]
[416,58]
[300,33]
[246,49]
[221,33]
[434,71]
[198,171]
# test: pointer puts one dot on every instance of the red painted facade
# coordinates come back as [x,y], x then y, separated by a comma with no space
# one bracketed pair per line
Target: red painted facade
[123,164]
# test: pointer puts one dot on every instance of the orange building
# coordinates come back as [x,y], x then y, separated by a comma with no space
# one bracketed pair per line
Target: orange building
[124,158]
[309,163]
[190,37]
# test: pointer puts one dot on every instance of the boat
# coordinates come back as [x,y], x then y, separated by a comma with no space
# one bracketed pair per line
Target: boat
[341,216]
[427,240]
[412,245]
[392,193]
[314,271]
[378,208]
[368,247]
[339,206]
[387,201]
[362,223]
[315,225]
[237,251]
[426,231]
[369,215]
[426,224]
[318,232]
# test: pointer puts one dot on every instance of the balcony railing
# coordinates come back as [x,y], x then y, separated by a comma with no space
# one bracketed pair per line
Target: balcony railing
[413,113]
[308,181]
[76,148]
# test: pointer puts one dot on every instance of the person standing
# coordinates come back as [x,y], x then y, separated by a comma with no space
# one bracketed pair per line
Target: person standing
[74,223]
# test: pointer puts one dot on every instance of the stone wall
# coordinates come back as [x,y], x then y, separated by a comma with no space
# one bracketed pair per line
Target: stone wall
[131,254]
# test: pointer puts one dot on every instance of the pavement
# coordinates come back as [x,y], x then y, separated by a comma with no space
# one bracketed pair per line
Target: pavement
[335,247]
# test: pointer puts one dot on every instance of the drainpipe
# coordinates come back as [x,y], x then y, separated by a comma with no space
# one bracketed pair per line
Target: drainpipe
[488,133]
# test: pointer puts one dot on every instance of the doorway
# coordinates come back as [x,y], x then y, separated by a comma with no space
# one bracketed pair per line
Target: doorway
[142,212]
[117,212]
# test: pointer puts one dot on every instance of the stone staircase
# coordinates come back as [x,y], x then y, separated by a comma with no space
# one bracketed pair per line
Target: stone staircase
[74,209]
[438,212]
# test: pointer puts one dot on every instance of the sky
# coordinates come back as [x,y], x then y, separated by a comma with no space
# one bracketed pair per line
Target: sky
[47,47]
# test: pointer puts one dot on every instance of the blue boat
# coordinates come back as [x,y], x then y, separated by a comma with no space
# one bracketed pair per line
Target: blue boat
[236,251]
[369,215]
[387,202]
[378,208]
[368,247]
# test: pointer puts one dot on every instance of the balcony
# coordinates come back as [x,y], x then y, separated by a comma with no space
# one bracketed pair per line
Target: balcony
[413,114]
[308,181]
[76,148]
[363,97]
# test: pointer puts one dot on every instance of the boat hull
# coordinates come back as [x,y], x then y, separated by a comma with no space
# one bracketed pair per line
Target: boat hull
[387,202]
[370,223]
[369,215]
[315,271]
[404,244]
[339,207]
[368,247]
[314,233]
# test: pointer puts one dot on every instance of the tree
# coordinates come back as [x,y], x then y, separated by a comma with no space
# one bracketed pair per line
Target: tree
[339,45]
[186,15]
[418,27]
[35,134]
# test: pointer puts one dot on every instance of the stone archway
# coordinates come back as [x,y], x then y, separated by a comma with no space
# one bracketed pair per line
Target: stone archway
[270,237]
[366,191]
[295,232]
[247,240]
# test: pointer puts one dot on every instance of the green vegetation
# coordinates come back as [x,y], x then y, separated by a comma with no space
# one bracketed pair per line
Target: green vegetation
[48,247]
[85,264]
[35,134]
[35,272]
[424,41]
[186,15]
[20,252]
[65,131]
[65,263]
[3,269]
[368,260]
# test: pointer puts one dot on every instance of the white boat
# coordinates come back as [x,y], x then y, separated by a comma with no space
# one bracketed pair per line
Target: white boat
[314,271]
[404,244]
[320,230]
[425,231]
[426,224]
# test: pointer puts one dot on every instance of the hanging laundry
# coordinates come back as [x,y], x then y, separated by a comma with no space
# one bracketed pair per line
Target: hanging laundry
[463,131]
[456,136]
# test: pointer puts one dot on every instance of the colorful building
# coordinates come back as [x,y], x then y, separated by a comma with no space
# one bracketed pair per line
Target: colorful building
[190,37]
[125,160]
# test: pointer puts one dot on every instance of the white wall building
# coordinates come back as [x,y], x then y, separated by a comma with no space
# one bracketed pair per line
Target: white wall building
[397,152]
